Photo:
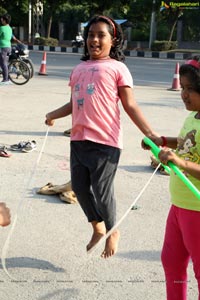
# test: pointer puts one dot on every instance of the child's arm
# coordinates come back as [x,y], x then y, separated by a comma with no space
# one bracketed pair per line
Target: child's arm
[133,110]
[190,167]
[4,215]
[61,112]
[169,142]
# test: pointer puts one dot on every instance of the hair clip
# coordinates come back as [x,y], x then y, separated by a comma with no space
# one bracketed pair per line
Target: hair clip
[193,63]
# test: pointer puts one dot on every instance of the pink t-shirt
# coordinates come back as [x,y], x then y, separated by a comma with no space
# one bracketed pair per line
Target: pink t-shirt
[95,101]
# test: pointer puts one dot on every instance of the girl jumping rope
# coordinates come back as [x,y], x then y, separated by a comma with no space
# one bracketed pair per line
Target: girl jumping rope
[98,84]
[182,235]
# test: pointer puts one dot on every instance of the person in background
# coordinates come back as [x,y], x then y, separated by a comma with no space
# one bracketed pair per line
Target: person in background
[5,46]
[79,39]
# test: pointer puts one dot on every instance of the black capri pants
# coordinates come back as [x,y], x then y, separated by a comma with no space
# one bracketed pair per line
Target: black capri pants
[93,168]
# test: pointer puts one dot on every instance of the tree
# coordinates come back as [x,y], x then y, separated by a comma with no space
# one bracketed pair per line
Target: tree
[54,8]
[137,12]
[190,21]
[171,15]
[51,8]
[101,7]
[17,9]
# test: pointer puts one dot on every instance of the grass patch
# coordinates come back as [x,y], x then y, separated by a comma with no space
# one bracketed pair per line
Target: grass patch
[185,50]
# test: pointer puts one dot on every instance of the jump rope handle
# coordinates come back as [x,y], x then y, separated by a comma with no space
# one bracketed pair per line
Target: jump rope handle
[156,150]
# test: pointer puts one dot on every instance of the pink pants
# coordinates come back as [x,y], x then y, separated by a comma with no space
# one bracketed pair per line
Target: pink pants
[182,242]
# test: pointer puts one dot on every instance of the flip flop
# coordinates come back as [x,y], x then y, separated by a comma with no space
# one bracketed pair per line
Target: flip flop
[67,132]
[45,189]
[3,153]
[68,197]
[50,189]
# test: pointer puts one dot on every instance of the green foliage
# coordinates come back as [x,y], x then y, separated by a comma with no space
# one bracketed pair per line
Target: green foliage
[139,35]
[190,20]
[71,16]
[42,41]
[101,7]
[163,46]
[2,11]
[137,12]
[162,31]
[18,11]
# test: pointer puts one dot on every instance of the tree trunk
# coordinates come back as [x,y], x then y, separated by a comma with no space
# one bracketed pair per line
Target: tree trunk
[49,27]
[174,23]
[172,30]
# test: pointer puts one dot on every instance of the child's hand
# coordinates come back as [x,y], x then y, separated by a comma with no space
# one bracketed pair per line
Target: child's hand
[157,140]
[49,121]
[4,214]
[166,155]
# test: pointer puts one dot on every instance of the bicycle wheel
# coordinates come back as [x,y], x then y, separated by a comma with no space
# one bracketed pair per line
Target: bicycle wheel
[29,62]
[19,72]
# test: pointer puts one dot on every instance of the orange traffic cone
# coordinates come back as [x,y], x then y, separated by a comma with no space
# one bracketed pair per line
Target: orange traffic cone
[43,65]
[176,79]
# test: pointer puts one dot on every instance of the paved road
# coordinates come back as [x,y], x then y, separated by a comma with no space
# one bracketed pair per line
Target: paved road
[146,71]
[46,253]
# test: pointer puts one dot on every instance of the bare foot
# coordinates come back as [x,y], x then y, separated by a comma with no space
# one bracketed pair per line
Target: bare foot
[94,240]
[111,244]
[99,231]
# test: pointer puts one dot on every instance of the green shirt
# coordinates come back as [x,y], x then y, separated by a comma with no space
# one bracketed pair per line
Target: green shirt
[5,36]
[188,148]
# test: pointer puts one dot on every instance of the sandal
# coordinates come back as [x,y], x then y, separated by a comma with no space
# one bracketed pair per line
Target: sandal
[67,132]
[50,189]
[155,162]
[68,197]
[3,152]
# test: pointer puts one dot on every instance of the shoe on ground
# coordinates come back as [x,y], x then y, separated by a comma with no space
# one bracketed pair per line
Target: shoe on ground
[68,197]
[19,146]
[3,152]
[29,147]
[50,189]
[24,146]
[67,132]
[7,82]
[155,163]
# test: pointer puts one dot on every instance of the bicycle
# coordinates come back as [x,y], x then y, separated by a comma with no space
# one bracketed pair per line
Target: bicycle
[19,71]
[21,52]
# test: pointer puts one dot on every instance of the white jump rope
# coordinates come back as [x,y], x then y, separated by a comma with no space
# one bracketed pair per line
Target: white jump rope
[6,245]
[125,215]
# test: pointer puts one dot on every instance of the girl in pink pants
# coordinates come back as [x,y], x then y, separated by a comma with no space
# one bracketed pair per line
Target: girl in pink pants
[182,236]
[182,242]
